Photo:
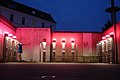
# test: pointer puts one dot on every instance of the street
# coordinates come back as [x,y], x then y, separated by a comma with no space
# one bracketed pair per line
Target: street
[59,71]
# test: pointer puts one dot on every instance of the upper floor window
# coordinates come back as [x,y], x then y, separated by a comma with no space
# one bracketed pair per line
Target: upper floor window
[43,25]
[11,17]
[33,23]
[23,20]
[0,12]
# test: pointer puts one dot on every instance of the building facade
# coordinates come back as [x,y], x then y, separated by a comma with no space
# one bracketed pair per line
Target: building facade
[23,16]
[40,45]
[75,46]
[36,43]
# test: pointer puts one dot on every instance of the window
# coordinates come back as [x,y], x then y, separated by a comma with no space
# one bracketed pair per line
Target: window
[11,17]
[42,25]
[33,23]
[23,20]
[33,12]
[0,12]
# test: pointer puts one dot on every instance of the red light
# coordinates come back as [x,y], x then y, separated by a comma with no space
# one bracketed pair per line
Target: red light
[10,35]
[44,43]
[63,40]
[112,33]
[107,36]
[14,37]
[20,43]
[72,40]
[103,37]
[53,40]
[0,31]
[54,43]
[6,32]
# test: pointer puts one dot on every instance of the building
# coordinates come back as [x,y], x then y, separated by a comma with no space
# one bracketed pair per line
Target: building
[23,16]
[60,47]
[25,42]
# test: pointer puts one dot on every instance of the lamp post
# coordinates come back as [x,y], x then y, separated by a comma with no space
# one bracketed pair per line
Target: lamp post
[44,44]
[113,9]
[4,48]
[53,51]
[54,44]
[63,45]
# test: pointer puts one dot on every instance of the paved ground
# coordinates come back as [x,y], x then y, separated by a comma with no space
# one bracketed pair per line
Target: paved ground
[59,71]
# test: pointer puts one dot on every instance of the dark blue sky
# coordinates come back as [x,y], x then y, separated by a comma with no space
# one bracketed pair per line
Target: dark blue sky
[75,15]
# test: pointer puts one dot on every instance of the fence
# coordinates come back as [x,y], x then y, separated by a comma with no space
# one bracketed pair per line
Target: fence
[84,59]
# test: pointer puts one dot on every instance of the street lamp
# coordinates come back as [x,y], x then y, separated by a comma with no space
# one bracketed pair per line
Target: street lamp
[72,44]
[113,9]
[63,45]
[54,44]
[44,44]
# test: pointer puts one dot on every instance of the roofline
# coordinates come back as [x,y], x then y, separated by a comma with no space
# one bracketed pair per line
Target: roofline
[76,32]
[32,27]
[46,16]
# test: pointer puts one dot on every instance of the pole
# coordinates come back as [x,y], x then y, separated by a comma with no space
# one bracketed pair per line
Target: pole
[51,52]
[113,14]
[76,53]
[113,9]
[4,48]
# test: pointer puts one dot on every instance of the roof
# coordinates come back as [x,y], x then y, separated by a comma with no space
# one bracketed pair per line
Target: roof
[25,9]
[76,32]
